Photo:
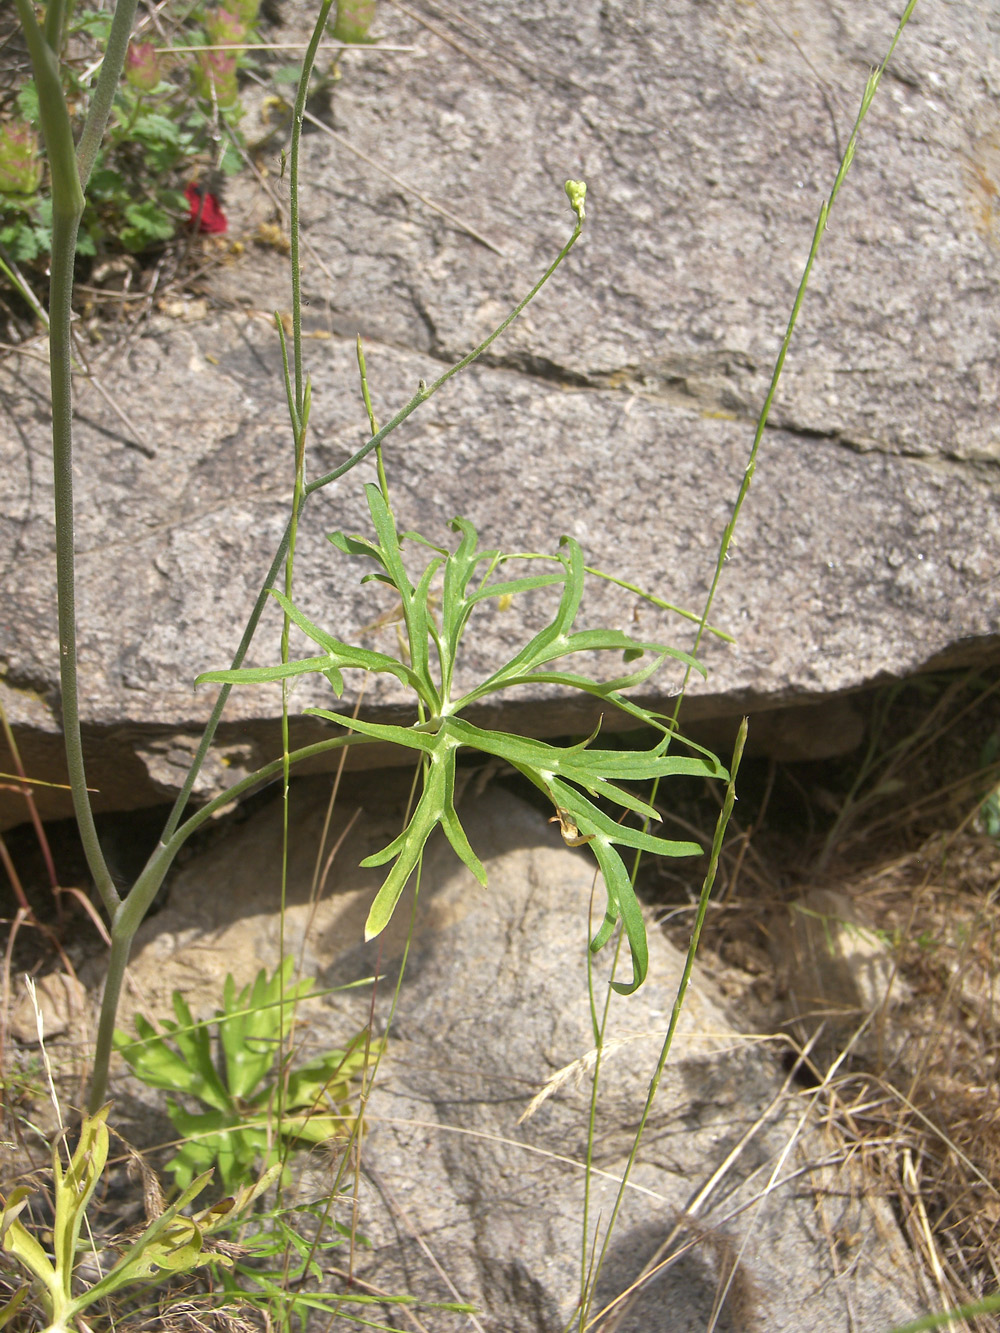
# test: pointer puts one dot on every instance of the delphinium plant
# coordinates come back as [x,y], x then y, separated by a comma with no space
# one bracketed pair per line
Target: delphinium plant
[576,780]
[581,780]
[566,779]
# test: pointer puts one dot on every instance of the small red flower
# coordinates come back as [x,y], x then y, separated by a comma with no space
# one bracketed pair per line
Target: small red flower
[205,210]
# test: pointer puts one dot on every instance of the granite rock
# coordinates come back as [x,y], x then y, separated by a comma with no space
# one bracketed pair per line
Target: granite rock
[619,409]
[493,1009]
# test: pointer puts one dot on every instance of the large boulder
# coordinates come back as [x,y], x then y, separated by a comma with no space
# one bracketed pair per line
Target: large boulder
[735,1185]
[619,409]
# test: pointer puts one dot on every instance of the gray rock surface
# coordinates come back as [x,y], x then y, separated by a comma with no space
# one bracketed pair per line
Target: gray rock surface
[493,1006]
[619,409]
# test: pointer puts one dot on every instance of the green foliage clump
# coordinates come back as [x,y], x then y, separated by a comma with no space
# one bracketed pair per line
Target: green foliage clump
[175,117]
[575,778]
[253,1104]
[170,1244]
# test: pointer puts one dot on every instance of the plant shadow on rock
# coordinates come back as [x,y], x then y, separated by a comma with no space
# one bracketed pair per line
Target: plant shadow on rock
[684,1295]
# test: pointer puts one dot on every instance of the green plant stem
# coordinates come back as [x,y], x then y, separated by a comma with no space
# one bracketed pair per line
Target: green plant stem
[56,15]
[299,414]
[60,354]
[675,1013]
[600,1029]
[383,481]
[104,90]
[297,115]
[871,87]
[132,910]
[67,209]
[424,392]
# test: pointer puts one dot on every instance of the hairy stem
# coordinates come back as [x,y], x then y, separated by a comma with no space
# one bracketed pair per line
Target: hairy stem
[107,85]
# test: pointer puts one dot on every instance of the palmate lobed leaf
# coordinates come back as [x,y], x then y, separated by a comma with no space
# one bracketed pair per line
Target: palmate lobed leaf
[569,776]
[553,770]
[189,1069]
[253,1024]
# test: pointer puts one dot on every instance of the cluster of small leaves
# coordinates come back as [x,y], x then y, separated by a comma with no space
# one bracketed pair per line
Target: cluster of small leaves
[175,121]
[170,1245]
[175,117]
[283,1270]
[574,778]
[236,1077]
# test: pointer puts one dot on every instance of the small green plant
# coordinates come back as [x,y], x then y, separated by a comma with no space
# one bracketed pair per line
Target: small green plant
[282,1269]
[238,1075]
[573,777]
[170,1245]
[175,117]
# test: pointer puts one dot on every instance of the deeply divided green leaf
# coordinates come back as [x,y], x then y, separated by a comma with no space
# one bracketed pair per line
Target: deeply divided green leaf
[575,777]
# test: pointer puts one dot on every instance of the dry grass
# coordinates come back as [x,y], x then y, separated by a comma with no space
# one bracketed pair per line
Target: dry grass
[915,1104]
[940,1104]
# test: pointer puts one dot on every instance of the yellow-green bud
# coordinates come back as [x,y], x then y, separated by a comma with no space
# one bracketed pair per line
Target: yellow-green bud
[576,193]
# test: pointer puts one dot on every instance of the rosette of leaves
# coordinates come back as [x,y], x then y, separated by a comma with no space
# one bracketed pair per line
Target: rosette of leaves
[579,780]
[236,1078]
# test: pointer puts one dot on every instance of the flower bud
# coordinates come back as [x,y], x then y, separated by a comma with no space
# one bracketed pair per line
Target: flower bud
[576,193]
[20,169]
[142,66]
[354,18]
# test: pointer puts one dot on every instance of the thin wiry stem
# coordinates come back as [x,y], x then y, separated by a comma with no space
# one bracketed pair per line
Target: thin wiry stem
[299,416]
[871,87]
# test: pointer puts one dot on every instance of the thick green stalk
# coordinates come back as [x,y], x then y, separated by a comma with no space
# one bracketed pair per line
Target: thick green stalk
[67,209]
